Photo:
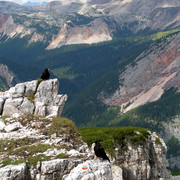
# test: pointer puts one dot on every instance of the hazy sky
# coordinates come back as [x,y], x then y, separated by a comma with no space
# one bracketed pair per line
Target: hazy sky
[63,1]
[24,1]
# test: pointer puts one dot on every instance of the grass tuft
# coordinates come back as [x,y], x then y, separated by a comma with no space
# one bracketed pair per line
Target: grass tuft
[31,97]
[61,125]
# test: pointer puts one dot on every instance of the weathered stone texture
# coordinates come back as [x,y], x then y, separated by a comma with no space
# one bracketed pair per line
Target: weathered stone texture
[33,98]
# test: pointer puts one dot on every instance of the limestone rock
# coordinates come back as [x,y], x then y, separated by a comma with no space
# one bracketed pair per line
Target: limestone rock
[33,98]
[11,172]
[147,161]
[116,172]
[27,107]
[13,127]
[91,170]
[31,87]
[2,125]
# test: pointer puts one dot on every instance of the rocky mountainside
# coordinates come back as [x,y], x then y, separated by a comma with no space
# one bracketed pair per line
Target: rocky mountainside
[77,22]
[152,73]
[37,147]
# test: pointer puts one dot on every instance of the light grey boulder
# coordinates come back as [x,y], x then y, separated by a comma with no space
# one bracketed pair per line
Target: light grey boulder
[17,91]
[27,107]
[40,108]
[2,125]
[9,110]
[13,102]
[53,111]
[13,127]
[12,172]
[117,173]
[31,87]
[47,91]
[11,106]
[48,167]
[91,170]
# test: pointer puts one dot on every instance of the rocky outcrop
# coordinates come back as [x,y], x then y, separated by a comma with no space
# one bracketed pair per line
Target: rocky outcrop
[33,98]
[154,72]
[46,148]
[144,162]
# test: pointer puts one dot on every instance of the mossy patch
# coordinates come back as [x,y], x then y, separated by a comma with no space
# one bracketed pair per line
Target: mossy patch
[8,161]
[33,160]
[8,146]
[157,141]
[62,156]
[27,151]
[31,97]
[39,80]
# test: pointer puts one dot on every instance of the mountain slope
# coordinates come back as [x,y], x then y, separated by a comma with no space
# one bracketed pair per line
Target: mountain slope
[120,90]
[75,22]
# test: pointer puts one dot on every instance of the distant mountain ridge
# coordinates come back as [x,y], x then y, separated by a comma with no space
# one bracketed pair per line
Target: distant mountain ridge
[79,22]
[29,3]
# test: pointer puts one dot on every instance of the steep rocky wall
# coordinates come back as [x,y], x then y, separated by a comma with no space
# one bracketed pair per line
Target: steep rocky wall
[154,72]
[144,162]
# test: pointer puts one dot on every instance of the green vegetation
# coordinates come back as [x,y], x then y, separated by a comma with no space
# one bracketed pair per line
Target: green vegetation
[64,73]
[31,150]
[61,125]
[173,147]
[24,149]
[33,160]
[31,97]
[115,137]
[39,80]
[176,173]
[152,114]
[62,156]
[79,19]
[158,141]
[7,161]
[163,34]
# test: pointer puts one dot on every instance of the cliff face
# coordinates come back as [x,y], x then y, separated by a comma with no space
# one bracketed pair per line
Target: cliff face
[153,72]
[94,32]
[144,162]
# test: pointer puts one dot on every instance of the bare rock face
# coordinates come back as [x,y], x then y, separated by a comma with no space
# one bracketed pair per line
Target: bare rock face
[91,169]
[144,162]
[94,32]
[33,98]
[154,72]
[13,172]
